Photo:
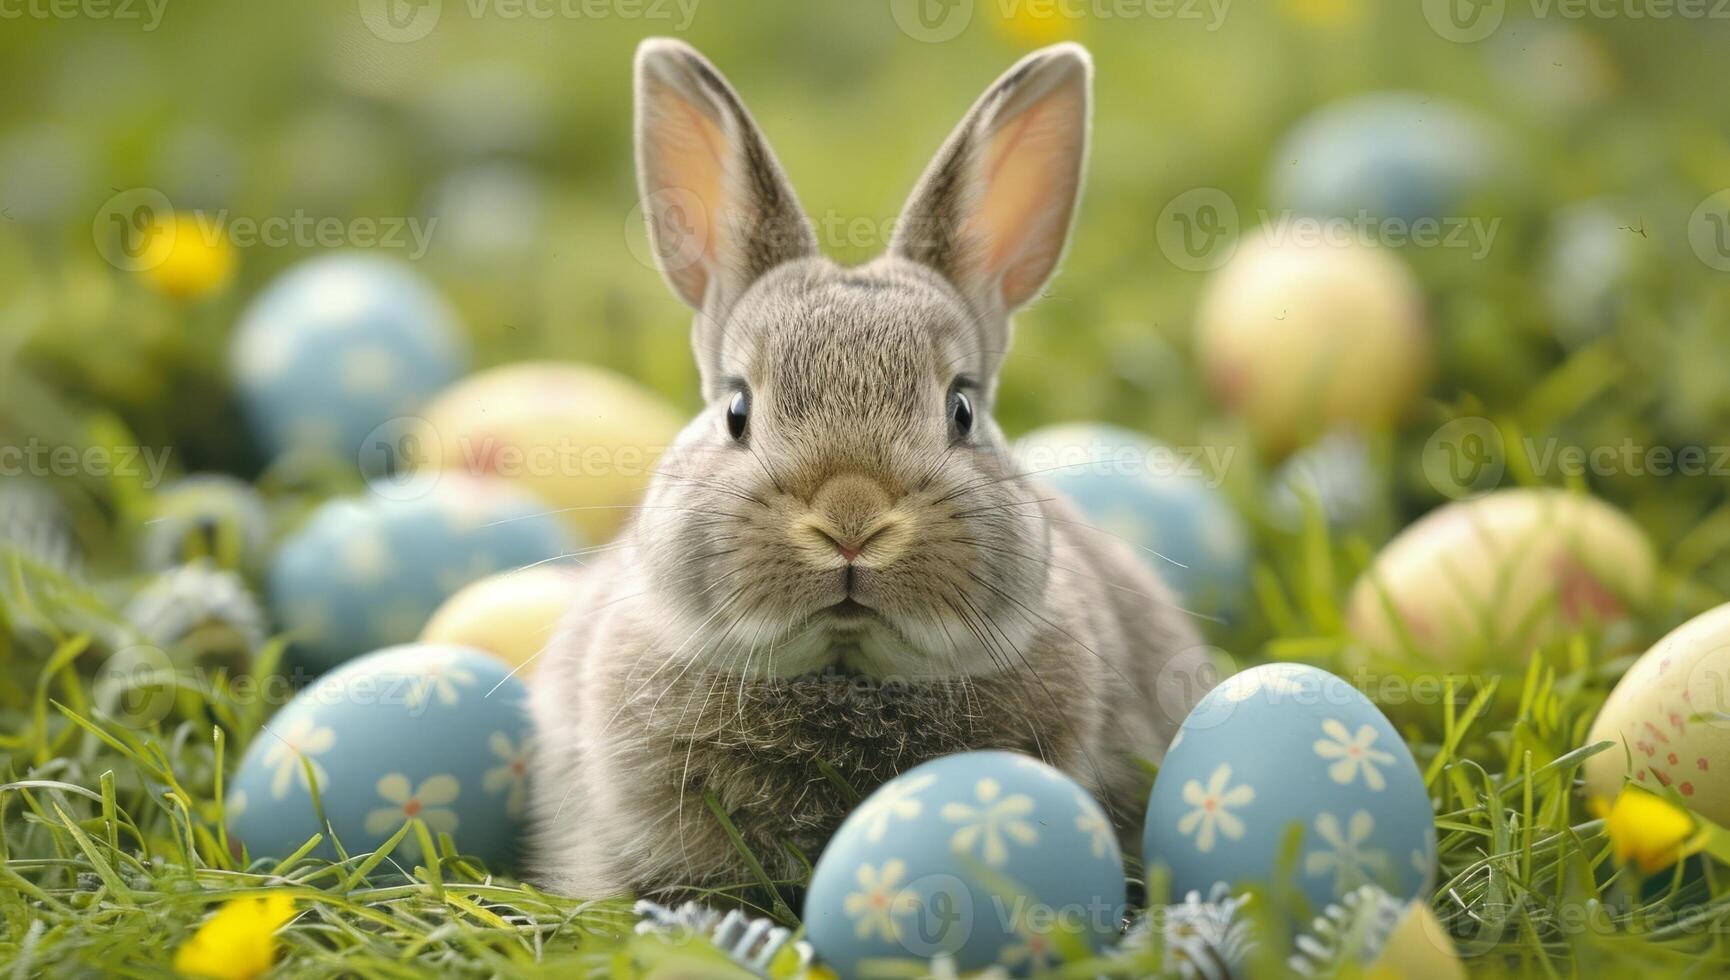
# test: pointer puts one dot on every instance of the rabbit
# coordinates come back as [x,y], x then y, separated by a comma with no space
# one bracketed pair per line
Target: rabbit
[837,571]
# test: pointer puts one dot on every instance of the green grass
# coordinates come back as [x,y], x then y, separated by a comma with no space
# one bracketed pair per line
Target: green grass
[114,847]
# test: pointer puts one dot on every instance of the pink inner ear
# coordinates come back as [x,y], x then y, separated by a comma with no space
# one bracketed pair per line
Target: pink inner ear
[685,158]
[1029,174]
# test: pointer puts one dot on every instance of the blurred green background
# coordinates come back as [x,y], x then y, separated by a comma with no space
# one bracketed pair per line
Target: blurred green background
[511,126]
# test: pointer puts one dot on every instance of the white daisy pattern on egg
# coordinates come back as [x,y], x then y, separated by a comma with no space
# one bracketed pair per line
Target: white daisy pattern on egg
[1353,754]
[896,800]
[511,774]
[880,900]
[1091,822]
[995,818]
[440,675]
[430,802]
[1345,857]
[300,739]
[1212,815]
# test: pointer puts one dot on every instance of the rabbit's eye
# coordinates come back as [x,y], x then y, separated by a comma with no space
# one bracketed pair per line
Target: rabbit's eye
[960,414]
[738,414]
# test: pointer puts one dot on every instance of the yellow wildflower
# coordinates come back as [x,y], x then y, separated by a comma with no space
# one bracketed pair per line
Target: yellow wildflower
[1038,22]
[184,259]
[238,942]
[1648,829]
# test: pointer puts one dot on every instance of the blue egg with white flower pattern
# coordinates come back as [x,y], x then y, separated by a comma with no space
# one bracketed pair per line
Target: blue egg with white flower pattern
[992,859]
[423,731]
[337,347]
[1159,499]
[1287,745]
[369,571]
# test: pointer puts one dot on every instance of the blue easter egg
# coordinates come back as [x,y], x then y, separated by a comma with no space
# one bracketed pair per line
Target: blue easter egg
[989,858]
[1336,475]
[1391,155]
[337,347]
[424,730]
[368,571]
[1281,745]
[1155,498]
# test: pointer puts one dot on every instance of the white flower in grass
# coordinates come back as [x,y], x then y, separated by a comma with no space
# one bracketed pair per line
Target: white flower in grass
[1093,823]
[894,801]
[1345,857]
[996,817]
[439,674]
[1354,753]
[1212,814]
[879,900]
[1036,951]
[298,740]
[429,801]
[512,774]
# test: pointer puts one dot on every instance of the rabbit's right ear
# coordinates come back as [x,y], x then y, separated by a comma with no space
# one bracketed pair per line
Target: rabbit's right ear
[719,209]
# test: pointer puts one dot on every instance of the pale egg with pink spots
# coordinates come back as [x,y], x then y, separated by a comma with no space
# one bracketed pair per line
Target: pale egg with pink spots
[1669,718]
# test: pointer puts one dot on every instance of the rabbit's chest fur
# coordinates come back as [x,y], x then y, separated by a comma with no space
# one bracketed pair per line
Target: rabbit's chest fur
[633,753]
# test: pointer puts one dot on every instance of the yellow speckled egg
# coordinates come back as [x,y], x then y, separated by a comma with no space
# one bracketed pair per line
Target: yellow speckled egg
[1302,332]
[511,615]
[1670,718]
[1495,576]
[581,437]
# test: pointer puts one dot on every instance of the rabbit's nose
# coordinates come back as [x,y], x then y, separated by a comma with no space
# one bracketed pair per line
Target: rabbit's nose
[853,516]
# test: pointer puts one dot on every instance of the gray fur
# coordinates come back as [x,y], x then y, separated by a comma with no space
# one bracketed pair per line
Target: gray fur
[699,662]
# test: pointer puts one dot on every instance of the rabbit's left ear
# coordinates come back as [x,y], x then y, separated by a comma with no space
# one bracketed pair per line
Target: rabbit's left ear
[993,211]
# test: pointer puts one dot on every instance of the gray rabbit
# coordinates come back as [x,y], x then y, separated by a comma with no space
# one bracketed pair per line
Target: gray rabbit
[838,571]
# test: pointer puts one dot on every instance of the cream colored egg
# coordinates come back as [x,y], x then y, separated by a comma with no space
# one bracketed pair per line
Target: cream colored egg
[584,439]
[1303,332]
[511,616]
[1419,948]
[1493,577]
[1670,719]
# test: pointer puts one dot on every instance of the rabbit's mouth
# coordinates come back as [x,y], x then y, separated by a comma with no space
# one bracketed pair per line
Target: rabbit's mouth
[850,610]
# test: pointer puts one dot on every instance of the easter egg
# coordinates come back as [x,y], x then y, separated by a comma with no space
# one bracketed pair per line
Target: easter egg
[438,733]
[1373,934]
[203,609]
[207,515]
[1670,719]
[1387,155]
[367,571]
[1335,475]
[1587,267]
[1158,499]
[1283,745]
[511,615]
[1301,336]
[991,859]
[337,347]
[583,438]
[1500,574]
